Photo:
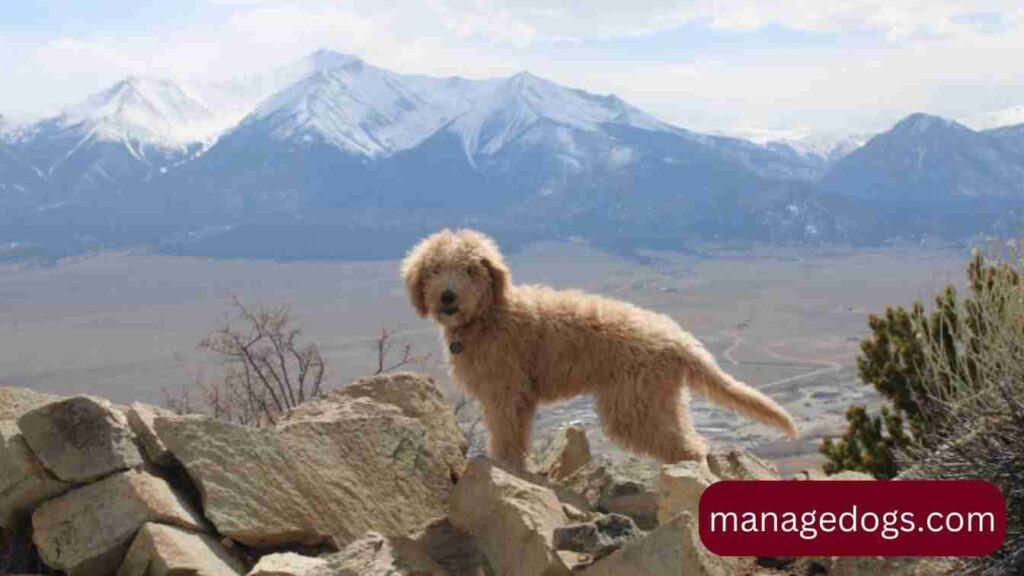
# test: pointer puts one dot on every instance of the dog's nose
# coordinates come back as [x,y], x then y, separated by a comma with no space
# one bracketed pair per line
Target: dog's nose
[448,297]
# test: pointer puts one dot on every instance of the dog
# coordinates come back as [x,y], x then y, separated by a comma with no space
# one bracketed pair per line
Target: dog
[514,347]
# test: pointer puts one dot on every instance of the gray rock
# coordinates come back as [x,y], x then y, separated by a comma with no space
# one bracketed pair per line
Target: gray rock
[371,555]
[80,439]
[628,486]
[740,465]
[598,538]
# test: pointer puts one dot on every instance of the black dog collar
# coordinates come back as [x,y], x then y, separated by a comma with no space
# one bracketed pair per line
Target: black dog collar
[455,347]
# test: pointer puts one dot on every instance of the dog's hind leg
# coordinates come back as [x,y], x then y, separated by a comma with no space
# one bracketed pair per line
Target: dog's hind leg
[508,421]
[650,417]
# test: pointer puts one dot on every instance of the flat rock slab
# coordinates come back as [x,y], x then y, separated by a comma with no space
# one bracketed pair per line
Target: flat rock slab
[512,520]
[80,439]
[333,470]
[87,531]
[161,550]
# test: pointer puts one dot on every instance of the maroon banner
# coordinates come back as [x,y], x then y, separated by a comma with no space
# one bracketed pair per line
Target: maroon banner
[852,518]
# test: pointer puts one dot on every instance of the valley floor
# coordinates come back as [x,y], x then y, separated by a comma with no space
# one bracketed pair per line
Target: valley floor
[788,322]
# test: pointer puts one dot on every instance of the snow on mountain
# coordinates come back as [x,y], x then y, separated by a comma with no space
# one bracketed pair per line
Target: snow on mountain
[520,102]
[140,110]
[829,147]
[363,109]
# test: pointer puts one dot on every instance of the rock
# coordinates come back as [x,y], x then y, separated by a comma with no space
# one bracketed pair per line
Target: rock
[453,549]
[371,555]
[598,538]
[80,439]
[418,397]
[740,465]
[874,566]
[673,549]
[16,401]
[289,564]
[24,481]
[569,452]
[87,531]
[810,474]
[160,550]
[333,470]
[851,475]
[512,520]
[140,419]
[680,488]
[627,486]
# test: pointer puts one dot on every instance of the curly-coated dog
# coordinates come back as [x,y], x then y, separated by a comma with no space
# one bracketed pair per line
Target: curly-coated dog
[513,347]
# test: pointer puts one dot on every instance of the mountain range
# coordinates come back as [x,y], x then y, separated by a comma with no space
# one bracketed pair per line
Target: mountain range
[333,157]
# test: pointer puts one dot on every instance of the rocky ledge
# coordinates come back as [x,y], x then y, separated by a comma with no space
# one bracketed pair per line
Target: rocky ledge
[369,480]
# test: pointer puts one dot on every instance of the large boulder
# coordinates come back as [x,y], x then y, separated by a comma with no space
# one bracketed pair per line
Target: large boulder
[512,520]
[141,418]
[628,486]
[87,531]
[24,481]
[568,452]
[371,555]
[673,549]
[80,439]
[332,470]
[161,550]
[680,487]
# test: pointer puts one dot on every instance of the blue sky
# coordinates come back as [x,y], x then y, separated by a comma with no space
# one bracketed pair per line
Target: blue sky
[767,67]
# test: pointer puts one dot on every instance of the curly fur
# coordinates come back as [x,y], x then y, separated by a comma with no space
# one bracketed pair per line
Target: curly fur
[531,344]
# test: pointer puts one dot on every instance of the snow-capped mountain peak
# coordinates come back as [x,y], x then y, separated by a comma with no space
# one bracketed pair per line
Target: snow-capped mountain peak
[146,110]
[523,100]
[360,108]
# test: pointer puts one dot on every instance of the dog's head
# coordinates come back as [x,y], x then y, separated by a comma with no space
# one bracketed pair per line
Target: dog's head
[455,276]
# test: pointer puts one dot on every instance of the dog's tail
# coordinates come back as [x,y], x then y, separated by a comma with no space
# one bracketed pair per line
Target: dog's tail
[706,378]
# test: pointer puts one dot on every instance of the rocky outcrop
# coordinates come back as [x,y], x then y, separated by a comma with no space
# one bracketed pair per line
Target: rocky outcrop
[87,531]
[333,470]
[512,520]
[161,550]
[24,481]
[80,439]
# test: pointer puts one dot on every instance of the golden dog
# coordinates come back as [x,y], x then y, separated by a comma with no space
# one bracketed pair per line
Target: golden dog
[513,347]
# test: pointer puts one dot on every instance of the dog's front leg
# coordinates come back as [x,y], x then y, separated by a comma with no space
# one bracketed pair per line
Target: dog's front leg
[508,420]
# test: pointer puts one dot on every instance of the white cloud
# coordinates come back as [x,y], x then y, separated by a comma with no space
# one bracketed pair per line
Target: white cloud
[889,58]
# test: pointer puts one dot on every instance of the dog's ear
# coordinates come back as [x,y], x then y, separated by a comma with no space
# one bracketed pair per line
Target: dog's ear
[412,275]
[501,278]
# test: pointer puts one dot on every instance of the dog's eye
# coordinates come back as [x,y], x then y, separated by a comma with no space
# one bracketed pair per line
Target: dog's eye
[469,270]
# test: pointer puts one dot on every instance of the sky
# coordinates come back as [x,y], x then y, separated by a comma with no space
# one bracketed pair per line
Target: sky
[760,68]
